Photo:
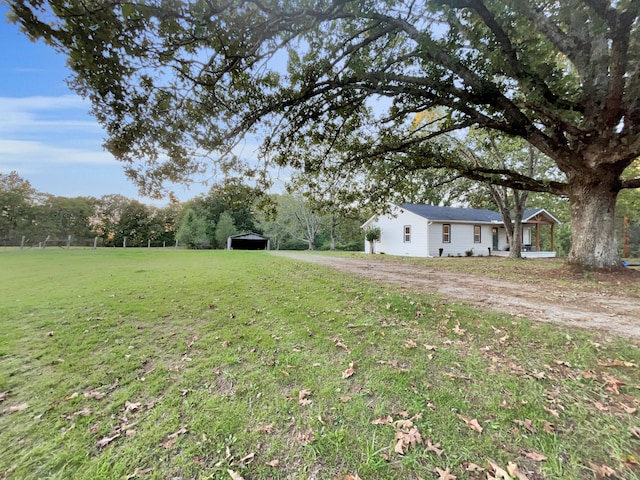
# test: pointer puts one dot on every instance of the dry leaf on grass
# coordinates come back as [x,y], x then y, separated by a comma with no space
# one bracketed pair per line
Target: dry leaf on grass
[169,439]
[472,467]
[551,411]
[499,473]
[435,448]
[616,363]
[104,441]
[613,384]
[407,438]
[266,428]
[274,463]
[235,475]
[515,472]
[339,343]
[382,420]
[303,401]
[602,471]
[410,344]
[445,474]
[536,457]
[472,424]
[138,472]
[131,407]
[349,371]
[15,408]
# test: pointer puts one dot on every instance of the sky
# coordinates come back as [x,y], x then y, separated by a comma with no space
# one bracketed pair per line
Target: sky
[46,132]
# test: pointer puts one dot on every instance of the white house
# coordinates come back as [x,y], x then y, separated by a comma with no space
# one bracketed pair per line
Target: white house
[431,231]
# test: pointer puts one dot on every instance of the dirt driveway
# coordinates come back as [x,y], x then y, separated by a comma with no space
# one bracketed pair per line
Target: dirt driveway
[591,309]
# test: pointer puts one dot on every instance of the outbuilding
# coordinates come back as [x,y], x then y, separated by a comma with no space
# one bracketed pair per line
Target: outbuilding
[248,241]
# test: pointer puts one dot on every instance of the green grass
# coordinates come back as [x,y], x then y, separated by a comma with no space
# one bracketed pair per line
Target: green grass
[195,362]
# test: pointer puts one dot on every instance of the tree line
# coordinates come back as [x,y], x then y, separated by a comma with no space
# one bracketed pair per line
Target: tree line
[30,218]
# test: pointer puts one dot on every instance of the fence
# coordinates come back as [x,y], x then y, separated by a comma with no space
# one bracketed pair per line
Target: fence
[25,242]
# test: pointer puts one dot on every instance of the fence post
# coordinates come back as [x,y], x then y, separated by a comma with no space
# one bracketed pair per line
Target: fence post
[176,243]
[148,243]
[22,243]
[68,241]
[124,242]
[164,244]
[95,243]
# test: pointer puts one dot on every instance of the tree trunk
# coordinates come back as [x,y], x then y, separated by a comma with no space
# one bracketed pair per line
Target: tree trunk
[593,238]
[515,242]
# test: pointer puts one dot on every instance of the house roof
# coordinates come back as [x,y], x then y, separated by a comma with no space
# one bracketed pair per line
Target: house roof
[453,214]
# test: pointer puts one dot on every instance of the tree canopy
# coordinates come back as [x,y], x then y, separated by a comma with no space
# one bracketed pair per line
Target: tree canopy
[178,84]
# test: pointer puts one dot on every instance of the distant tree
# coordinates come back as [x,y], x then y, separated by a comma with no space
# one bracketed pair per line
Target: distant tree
[135,223]
[60,217]
[17,198]
[192,231]
[224,229]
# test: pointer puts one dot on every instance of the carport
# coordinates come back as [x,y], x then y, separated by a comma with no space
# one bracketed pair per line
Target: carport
[248,241]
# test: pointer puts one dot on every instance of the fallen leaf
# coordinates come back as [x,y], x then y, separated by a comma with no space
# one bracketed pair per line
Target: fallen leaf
[514,471]
[247,458]
[613,384]
[384,421]
[302,400]
[635,432]
[131,407]
[95,394]
[15,408]
[266,428]
[472,467]
[602,471]
[3,396]
[434,448]
[349,371]
[407,438]
[137,472]
[536,457]
[548,427]
[459,331]
[616,363]
[551,411]
[499,473]
[339,343]
[601,407]
[352,477]
[410,344]
[306,437]
[104,441]
[445,474]
[235,475]
[345,399]
[274,463]
[473,424]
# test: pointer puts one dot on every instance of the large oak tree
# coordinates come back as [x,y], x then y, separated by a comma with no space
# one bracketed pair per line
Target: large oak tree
[176,83]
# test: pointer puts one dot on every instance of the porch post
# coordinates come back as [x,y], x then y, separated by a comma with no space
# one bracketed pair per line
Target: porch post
[553,246]
[537,237]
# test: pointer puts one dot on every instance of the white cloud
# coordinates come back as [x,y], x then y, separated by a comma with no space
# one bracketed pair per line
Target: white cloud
[15,154]
[40,103]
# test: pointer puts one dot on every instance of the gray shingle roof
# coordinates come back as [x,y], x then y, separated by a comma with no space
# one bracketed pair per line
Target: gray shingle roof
[453,214]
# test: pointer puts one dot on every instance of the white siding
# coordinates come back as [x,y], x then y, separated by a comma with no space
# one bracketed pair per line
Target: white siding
[392,235]
[461,239]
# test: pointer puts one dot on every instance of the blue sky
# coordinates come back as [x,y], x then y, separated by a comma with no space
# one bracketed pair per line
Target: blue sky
[46,132]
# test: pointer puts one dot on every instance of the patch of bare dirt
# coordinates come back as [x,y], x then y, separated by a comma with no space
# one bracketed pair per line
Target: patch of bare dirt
[606,309]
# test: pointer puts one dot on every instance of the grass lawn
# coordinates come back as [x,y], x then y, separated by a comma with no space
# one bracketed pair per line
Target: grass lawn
[165,364]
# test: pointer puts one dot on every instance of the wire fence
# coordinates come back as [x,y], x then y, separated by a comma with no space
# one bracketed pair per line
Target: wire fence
[25,242]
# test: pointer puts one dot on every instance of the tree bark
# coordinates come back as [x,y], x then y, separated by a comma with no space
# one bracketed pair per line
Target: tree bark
[593,239]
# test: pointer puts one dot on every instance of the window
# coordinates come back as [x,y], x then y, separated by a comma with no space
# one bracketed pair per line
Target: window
[446,233]
[477,237]
[407,234]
